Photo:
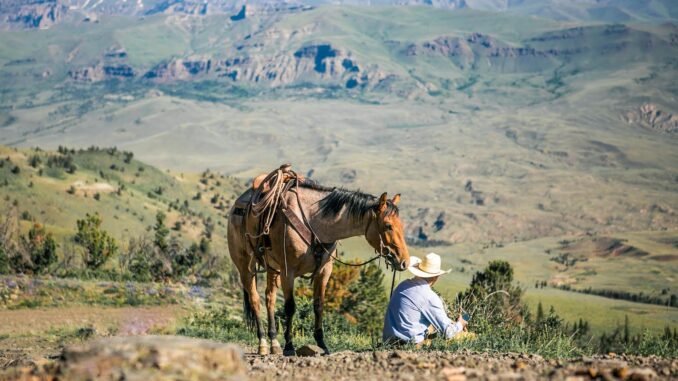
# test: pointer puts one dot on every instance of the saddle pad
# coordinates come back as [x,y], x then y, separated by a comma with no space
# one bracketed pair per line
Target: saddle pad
[243,200]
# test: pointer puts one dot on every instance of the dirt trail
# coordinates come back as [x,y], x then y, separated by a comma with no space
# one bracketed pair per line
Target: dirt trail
[120,320]
[27,334]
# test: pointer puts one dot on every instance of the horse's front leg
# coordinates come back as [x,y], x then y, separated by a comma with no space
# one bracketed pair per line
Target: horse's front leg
[272,280]
[290,307]
[319,286]
[252,307]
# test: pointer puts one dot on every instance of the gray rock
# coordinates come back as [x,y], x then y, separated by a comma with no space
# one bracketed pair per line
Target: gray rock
[310,351]
[150,358]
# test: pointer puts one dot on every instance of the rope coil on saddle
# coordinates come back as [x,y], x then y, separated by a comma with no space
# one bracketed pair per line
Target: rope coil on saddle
[266,203]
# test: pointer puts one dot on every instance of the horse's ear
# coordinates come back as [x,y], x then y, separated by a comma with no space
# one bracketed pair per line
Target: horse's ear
[396,199]
[382,203]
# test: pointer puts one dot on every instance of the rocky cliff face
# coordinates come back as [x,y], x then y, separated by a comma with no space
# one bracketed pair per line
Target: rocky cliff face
[481,51]
[306,64]
[32,13]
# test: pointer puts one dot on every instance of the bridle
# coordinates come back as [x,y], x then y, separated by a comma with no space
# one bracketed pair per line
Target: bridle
[384,251]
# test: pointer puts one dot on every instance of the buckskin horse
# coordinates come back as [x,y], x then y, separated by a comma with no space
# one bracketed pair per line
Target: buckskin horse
[288,226]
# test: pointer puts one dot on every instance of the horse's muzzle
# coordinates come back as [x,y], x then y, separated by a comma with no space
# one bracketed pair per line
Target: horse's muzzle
[402,265]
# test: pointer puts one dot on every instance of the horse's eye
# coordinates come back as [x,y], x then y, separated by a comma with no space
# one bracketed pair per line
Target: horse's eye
[388,227]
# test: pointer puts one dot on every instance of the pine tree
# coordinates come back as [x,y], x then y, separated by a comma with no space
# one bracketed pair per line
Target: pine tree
[366,300]
[540,312]
[161,233]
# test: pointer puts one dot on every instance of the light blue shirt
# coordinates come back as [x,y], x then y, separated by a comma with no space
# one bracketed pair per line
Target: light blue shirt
[413,307]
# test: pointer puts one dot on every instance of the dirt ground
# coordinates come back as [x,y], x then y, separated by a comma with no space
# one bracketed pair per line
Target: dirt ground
[403,365]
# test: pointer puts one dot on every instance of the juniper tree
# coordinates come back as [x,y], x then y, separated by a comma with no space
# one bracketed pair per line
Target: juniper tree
[161,233]
[41,248]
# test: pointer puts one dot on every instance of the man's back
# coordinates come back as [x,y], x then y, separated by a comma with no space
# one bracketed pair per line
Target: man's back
[413,307]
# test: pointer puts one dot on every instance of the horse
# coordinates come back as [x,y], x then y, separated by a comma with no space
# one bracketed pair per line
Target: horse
[303,225]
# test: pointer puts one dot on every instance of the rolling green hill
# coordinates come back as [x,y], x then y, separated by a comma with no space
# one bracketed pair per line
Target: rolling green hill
[125,192]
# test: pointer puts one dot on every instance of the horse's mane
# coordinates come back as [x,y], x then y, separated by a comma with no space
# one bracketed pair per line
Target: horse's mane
[357,203]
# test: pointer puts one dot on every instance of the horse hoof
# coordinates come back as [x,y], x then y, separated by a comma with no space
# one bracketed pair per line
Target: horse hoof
[289,352]
[263,350]
[276,350]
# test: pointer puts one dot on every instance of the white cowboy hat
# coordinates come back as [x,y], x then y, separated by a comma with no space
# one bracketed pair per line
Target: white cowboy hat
[427,268]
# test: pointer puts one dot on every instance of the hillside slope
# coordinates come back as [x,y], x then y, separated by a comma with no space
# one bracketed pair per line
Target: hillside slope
[126,193]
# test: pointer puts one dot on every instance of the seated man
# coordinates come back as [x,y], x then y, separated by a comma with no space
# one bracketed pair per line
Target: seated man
[414,307]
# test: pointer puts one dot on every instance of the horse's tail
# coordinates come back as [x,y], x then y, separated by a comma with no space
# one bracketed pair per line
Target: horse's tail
[250,316]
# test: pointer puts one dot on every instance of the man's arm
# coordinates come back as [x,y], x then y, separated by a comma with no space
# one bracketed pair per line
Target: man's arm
[438,318]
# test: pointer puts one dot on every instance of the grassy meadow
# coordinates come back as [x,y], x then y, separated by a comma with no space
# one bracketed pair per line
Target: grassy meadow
[531,265]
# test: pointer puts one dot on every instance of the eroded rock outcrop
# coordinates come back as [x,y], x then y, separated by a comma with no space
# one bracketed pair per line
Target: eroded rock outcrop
[102,71]
[650,116]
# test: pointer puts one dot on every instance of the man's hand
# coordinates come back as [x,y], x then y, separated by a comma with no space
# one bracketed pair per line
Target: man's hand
[463,322]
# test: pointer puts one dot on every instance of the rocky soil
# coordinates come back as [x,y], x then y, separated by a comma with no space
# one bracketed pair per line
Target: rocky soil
[180,358]
[436,365]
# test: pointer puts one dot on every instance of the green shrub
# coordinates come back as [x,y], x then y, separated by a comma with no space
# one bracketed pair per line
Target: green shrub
[184,261]
[35,253]
[493,294]
[4,261]
[136,260]
[98,245]
[42,248]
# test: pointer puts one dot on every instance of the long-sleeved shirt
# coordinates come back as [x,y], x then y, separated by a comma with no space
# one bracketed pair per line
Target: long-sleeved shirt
[413,307]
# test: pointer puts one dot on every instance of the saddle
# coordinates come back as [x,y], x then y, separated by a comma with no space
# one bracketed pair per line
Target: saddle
[254,226]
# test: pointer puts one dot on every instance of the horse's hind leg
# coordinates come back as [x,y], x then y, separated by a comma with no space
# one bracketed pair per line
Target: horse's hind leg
[319,286]
[253,307]
[290,307]
[272,280]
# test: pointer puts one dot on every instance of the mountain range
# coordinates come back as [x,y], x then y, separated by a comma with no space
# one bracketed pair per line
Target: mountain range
[496,120]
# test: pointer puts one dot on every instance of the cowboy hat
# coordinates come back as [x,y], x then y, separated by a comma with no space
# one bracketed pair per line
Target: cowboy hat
[428,267]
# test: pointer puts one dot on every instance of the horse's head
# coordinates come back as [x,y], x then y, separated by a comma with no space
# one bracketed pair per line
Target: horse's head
[385,232]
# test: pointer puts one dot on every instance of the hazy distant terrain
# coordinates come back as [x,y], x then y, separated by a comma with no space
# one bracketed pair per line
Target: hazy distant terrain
[495,121]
